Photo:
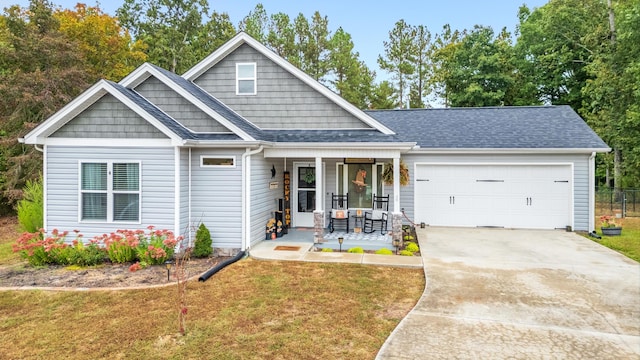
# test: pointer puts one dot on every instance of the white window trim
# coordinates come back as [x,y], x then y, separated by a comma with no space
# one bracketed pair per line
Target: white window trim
[110,192]
[254,78]
[202,157]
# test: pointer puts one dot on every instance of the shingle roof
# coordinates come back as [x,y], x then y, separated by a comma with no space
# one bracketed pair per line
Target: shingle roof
[325,136]
[534,127]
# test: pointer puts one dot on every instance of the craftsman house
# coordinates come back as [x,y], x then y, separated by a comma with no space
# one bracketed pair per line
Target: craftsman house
[244,135]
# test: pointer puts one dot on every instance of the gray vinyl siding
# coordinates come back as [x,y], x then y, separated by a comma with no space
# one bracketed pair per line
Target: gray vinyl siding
[109,118]
[186,228]
[282,100]
[216,198]
[178,107]
[157,187]
[580,180]
[264,201]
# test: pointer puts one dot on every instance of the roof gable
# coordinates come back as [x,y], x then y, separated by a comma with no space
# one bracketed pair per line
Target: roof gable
[128,97]
[198,97]
[243,39]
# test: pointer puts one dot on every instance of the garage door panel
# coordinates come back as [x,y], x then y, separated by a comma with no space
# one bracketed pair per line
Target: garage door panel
[520,196]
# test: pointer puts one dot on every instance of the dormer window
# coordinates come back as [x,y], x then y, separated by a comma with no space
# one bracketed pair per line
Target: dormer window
[246,79]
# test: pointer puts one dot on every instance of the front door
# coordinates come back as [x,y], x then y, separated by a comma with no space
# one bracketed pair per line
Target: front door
[304,195]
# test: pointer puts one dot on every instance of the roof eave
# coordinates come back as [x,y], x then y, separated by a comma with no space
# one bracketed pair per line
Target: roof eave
[422,150]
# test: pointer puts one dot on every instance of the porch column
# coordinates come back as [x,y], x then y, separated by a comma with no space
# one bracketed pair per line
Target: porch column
[396,184]
[396,216]
[318,213]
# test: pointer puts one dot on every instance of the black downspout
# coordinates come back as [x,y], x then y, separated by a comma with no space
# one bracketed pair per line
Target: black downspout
[209,273]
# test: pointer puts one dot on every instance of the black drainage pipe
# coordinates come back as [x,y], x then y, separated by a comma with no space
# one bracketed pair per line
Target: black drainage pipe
[209,273]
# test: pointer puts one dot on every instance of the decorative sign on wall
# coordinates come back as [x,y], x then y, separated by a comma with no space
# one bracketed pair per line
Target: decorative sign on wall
[287,199]
[273,185]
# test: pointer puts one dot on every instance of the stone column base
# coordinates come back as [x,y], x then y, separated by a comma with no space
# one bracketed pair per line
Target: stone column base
[396,227]
[318,226]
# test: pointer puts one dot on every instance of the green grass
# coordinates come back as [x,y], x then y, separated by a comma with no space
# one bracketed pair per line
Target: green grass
[628,243]
[250,310]
[8,235]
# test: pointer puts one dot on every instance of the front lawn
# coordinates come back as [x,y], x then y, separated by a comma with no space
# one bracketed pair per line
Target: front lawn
[628,243]
[250,310]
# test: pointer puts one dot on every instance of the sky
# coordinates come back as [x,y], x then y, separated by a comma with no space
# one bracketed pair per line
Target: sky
[368,24]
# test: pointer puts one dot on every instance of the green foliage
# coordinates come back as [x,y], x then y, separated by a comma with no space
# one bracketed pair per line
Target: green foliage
[384,251]
[202,247]
[412,247]
[39,249]
[31,207]
[356,250]
[405,253]
[327,250]
[152,248]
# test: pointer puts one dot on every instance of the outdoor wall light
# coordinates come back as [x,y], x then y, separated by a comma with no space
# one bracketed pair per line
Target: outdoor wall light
[168,264]
[340,240]
[422,225]
[396,244]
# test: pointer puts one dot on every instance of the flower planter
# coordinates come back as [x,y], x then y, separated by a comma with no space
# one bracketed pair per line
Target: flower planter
[611,231]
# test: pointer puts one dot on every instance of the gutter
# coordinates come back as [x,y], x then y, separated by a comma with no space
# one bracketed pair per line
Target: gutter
[246,196]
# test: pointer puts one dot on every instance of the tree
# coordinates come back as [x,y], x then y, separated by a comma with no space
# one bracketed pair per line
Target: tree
[351,77]
[255,23]
[281,37]
[40,71]
[422,62]
[479,76]
[174,30]
[556,43]
[107,48]
[612,99]
[398,60]
[384,96]
[443,50]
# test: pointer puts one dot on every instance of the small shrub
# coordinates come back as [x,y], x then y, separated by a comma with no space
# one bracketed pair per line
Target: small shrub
[327,250]
[409,238]
[202,246]
[405,253]
[384,252]
[356,250]
[412,247]
[30,208]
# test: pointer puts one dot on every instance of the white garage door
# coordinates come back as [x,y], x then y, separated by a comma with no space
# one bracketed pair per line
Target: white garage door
[512,196]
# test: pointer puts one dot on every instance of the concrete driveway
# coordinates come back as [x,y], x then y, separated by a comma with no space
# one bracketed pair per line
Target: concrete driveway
[520,294]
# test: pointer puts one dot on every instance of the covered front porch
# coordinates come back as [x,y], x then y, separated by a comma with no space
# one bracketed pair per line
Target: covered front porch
[313,175]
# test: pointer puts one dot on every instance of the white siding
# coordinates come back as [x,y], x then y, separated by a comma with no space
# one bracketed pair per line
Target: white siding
[185,226]
[264,201]
[157,187]
[216,198]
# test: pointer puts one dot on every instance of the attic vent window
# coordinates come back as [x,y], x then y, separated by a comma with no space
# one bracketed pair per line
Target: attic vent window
[246,79]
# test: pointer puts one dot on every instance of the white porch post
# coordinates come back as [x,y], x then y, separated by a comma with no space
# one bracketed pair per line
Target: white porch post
[396,184]
[318,213]
[396,216]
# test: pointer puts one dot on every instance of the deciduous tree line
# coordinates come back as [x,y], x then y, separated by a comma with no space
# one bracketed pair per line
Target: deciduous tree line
[584,53]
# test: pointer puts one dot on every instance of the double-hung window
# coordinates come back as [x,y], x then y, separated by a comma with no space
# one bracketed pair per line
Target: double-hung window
[110,191]
[246,79]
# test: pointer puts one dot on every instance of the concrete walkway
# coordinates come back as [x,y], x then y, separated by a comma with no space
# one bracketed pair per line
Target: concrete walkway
[517,294]
[297,251]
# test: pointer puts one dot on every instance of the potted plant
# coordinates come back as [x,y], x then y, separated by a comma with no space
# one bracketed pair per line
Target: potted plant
[610,226]
[270,229]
